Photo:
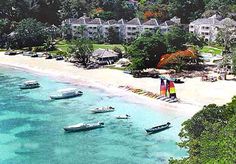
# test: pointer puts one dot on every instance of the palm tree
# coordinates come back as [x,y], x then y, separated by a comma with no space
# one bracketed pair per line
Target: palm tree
[81,31]
[81,49]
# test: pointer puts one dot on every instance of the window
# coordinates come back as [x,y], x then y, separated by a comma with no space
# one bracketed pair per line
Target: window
[129,28]
[134,28]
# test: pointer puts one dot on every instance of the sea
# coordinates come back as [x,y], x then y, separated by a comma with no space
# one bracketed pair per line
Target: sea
[31,126]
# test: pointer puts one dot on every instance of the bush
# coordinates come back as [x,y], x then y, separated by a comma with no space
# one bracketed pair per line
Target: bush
[38,49]
[118,50]
[63,53]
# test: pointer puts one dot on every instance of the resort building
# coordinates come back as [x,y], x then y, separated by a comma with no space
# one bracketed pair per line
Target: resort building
[97,29]
[151,25]
[208,28]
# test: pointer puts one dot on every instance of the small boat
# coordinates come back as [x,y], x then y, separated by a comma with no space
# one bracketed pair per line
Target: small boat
[66,93]
[58,57]
[83,127]
[103,109]
[158,128]
[178,81]
[30,84]
[123,116]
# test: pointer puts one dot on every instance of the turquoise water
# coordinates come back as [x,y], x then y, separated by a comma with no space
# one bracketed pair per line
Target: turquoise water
[31,126]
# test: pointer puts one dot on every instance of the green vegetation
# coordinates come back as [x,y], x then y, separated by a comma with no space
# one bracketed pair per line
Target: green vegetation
[28,33]
[108,46]
[81,49]
[53,12]
[210,135]
[64,45]
[116,68]
[146,51]
[212,50]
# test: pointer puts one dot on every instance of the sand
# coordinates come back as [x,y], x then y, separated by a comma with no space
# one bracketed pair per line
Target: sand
[194,93]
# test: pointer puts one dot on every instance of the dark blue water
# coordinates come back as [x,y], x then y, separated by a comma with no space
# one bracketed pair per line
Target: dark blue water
[31,126]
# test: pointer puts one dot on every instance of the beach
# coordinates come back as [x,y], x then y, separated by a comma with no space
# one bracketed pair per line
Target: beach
[194,93]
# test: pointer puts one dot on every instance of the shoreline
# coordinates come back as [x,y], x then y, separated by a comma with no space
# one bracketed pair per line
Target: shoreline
[177,109]
[109,81]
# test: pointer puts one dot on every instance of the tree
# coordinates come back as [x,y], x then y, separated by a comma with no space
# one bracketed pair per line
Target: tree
[193,39]
[29,32]
[81,49]
[4,31]
[113,36]
[186,10]
[227,37]
[119,8]
[81,31]
[146,51]
[234,61]
[175,39]
[210,135]
[105,15]
[66,31]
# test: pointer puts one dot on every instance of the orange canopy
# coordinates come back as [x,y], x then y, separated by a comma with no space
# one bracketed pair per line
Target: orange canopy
[167,58]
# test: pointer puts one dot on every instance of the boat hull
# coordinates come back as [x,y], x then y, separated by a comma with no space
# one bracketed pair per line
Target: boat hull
[103,110]
[77,129]
[122,117]
[29,87]
[157,129]
[57,97]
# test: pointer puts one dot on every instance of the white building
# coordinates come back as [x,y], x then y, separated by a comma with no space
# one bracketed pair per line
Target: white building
[208,28]
[97,29]
[151,25]
[132,29]
[94,28]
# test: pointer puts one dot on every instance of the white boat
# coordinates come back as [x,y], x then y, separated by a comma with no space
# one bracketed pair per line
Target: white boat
[123,116]
[83,127]
[66,93]
[103,109]
[29,84]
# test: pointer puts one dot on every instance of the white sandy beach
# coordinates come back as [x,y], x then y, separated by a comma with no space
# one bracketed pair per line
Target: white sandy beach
[194,93]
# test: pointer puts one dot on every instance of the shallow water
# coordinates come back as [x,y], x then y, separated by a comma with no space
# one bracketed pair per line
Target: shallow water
[31,126]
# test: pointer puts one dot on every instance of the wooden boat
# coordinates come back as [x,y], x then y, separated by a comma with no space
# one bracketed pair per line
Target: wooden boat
[83,127]
[158,128]
[103,109]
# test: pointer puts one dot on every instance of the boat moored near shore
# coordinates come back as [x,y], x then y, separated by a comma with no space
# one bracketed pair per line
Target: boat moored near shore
[158,128]
[103,109]
[66,93]
[83,127]
[123,116]
[31,84]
